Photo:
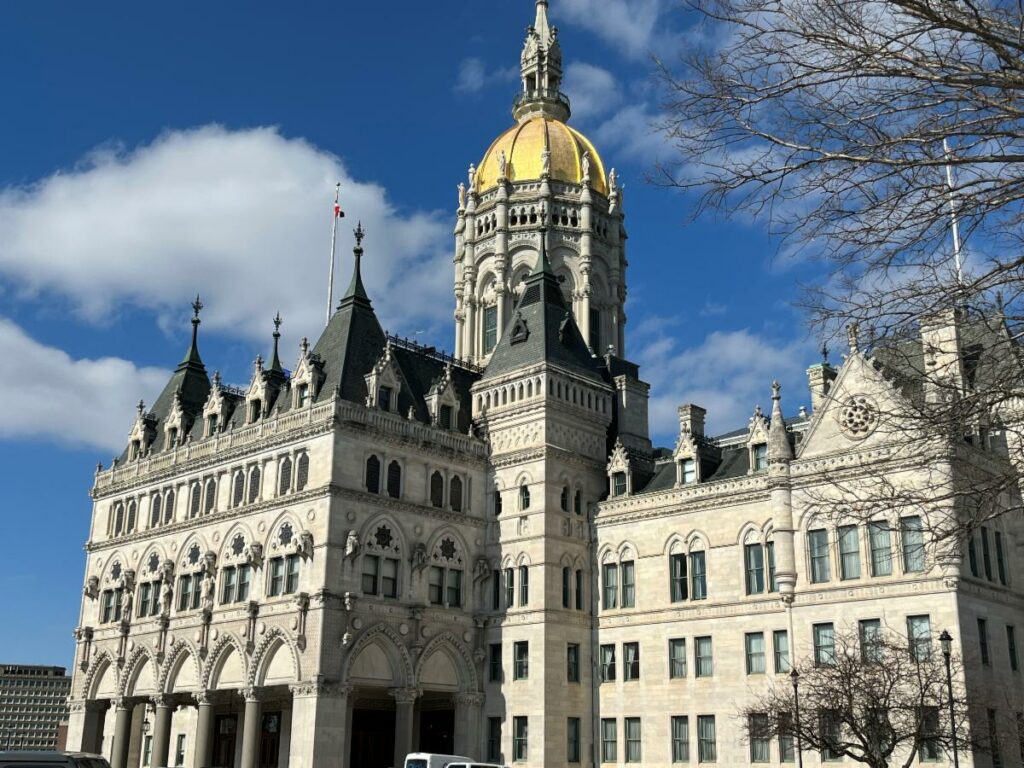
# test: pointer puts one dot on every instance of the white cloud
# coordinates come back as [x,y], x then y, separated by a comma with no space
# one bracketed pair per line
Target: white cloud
[633,27]
[474,76]
[593,91]
[634,135]
[51,395]
[728,374]
[241,217]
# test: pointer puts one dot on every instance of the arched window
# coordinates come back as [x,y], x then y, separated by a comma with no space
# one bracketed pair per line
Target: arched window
[455,494]
[302,474]
[524,497]
[497,502]
[169,507]
[211,495]
[130,523]
[437,490]
[578,503]
[284,483]
[254,484]
[373,474]
[394,480]
[118,519]
[195,500]
[154,512]
[564,500]
[238,489]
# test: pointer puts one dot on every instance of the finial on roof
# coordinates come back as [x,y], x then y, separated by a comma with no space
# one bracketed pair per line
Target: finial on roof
[193,353]
[355,288]
[141,407]
[824,352]
[304,346]
[216,379]
[258,363]
[275,363]
[853,335]
[779,448]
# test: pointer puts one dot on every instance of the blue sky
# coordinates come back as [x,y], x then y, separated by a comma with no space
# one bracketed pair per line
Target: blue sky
[149,154]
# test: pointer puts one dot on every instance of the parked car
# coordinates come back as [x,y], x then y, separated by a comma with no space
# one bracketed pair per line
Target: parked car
[52,760]
[426,760]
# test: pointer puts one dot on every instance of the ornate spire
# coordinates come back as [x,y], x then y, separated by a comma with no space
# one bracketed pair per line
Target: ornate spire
[541,67]
[192,356]
[779,448]
[275,363]
[355,288]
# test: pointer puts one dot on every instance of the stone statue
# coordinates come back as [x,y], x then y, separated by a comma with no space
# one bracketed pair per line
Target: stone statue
[208,587]
[585,164]
[613,181]
[502,164]
[462,195]
[419,556]
[352,544]
[127,599]
[545,163]
[472,175]
[167,597]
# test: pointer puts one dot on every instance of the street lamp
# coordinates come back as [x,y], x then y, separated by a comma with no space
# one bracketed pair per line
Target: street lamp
[947,649]
[794,677]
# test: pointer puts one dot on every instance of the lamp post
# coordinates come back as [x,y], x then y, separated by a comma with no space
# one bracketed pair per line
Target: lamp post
[794,677]
[947,650]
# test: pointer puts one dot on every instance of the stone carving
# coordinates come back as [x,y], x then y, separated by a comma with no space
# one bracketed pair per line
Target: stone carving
[208,589]
[585,166]
[462,195]
[419,557]
[254,554]
[481,569]
[304,545]
[858,417]
[352,545]
[127,600]
[502,164]
[613,181]
[92,588]
[545,163]
[472,175]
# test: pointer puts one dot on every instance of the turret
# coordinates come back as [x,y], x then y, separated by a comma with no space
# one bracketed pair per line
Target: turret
[780,454]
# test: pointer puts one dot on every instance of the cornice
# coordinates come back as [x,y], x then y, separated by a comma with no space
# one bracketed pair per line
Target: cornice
[383,501]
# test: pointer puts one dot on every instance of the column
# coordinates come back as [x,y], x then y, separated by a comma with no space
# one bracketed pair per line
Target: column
[467,720]
[250,728]
[122,732]
[405,698]
[320,724]
[204,731]
[85,726]
[161,730]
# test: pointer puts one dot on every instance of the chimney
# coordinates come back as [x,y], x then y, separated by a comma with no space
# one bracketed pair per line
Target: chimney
[819,379]
[691,420]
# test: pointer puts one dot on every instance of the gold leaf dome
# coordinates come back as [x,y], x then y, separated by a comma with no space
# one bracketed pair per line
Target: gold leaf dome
[523,145]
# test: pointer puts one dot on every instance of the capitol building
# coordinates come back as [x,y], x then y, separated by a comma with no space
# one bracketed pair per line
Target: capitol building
[384,548]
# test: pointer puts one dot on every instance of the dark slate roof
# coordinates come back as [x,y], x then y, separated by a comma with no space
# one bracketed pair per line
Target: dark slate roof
[350,344]
[551,333]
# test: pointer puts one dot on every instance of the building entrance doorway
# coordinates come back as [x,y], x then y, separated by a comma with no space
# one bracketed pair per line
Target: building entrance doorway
[373,738]
[270,740]
[225,731]
[437,731]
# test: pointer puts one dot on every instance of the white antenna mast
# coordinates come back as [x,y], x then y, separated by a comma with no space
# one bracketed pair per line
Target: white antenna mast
[338,213]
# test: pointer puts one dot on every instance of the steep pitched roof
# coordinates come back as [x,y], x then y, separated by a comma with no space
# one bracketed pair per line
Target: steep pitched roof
[542,329]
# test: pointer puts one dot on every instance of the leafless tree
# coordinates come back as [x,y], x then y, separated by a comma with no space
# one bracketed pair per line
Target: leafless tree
[883,142]
[880,700]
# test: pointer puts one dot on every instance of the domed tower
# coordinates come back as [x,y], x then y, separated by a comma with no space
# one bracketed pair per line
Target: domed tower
[539,173]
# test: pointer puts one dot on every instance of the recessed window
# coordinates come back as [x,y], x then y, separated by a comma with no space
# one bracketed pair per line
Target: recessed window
[524,497]
[761,456]
[490,328]
[703,657]
[447,417]
[394,480]
[630,661]
[619,483]
[302,396]
[817,543]
[255,410]
[824,644]
[689,471]
[520,660]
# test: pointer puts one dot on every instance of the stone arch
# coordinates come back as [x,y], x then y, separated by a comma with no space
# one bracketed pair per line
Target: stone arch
[118,557]
[749,533]
[220,662]
[606,554]
[101,680]
[275,660]
[145,573]
[385,518]
[626,550]
[448,531]
[271,542]
[226,553]
[523,478]
[140,674]
[181,670]
[378,649]
[523,559]
[508,562]
[697,541]
[675,544]
[183,553]
[444,655]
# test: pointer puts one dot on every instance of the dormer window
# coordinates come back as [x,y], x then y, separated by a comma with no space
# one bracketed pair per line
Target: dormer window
[255,410]
[760,456]
[445,419]
[135,450]
[618,484]
[689,471]
[211,424]
[172,437]
[384,398]
[302,396]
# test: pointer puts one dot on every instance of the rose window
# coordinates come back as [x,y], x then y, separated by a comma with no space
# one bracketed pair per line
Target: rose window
[858,417]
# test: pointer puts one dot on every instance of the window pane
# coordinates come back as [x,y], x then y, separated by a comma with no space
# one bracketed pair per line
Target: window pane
[817,542]
[703,656]
[780,645]
[680,739]
[454,588]
[881,548]
[677,577]
[607,663]
[371,569]
[519,739]
[849,552]
[628,585]
[870,631]
[609,740]
[631,661]
[698,576]
[632,739]
[755,653]
[610,575]
[824,644]
[436,585]
[707,751]
[677,658]
[913,544]
[919,633]
[524,585]
[754,559]
[759,742]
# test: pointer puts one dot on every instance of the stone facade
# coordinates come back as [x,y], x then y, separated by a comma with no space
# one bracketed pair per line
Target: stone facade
[392,550]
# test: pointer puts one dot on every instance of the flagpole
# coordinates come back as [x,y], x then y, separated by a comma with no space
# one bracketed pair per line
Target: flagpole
[334,239]
[952,215]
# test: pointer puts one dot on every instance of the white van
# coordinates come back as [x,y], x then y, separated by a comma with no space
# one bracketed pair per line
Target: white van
[27,759]
[426,760]
[476,765]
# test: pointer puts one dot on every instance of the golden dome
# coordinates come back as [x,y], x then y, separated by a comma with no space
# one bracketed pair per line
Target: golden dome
[523,145]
